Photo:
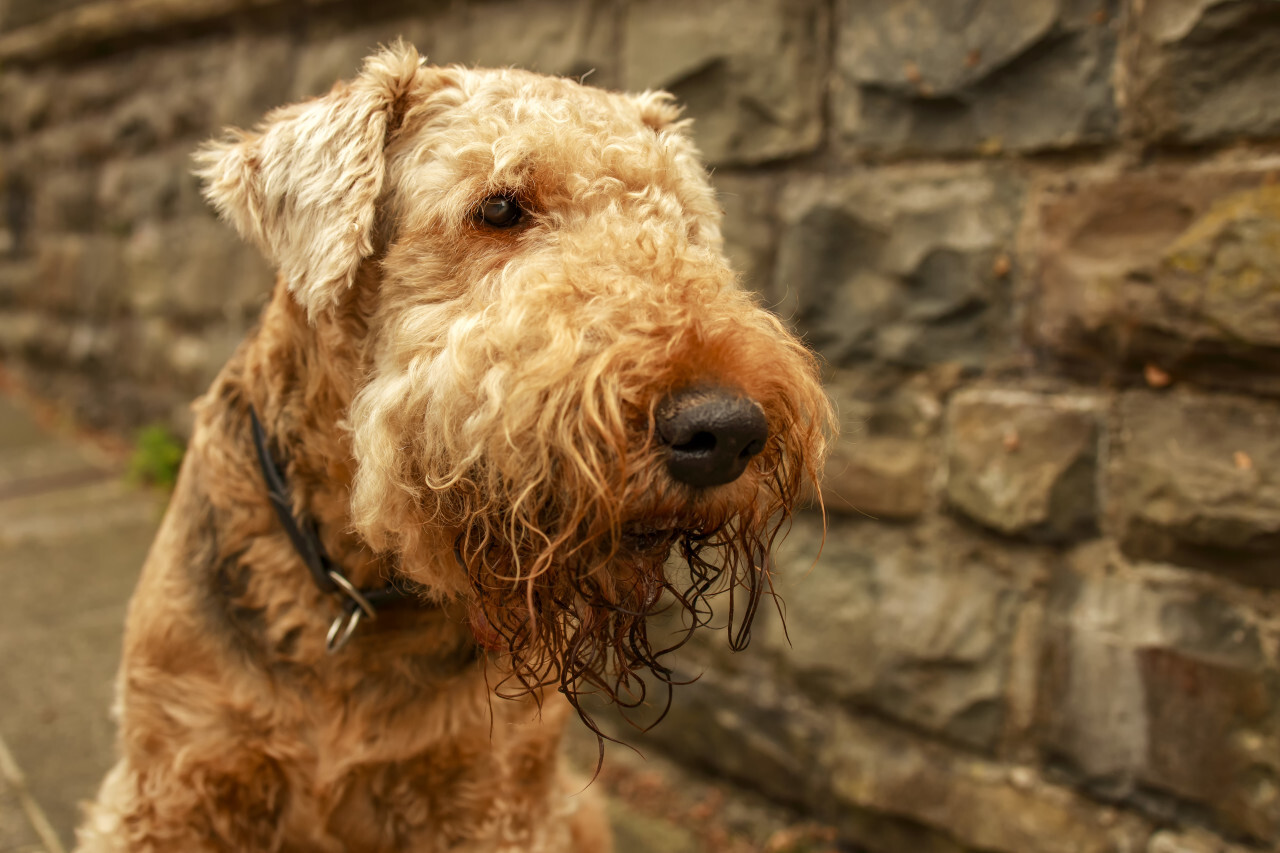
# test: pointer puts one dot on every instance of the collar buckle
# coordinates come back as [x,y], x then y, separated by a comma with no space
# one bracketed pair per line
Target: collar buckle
[358,604]
[354,609]
[343,628]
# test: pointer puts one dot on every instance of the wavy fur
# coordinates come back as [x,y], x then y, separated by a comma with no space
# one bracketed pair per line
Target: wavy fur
[467,407]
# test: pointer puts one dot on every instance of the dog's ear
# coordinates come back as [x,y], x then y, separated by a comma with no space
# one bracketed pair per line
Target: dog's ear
[305,183]
[659,110]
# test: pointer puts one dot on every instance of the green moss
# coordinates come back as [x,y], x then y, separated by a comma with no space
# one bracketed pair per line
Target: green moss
[1187,262]
[157,456]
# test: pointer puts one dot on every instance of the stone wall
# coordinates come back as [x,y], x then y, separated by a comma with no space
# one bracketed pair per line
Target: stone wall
[1037,243]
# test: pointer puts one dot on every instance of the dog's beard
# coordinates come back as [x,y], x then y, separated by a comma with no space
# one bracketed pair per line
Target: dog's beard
[582,622]
[543,462]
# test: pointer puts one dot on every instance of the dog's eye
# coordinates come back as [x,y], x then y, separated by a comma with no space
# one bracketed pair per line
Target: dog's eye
[500,211]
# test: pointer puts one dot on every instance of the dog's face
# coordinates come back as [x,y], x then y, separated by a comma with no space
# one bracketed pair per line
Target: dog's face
[561,383]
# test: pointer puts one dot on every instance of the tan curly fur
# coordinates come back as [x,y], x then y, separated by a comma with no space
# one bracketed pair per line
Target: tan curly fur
[466,408]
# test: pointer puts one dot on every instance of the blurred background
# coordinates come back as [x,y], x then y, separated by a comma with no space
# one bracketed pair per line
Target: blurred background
[1037,243]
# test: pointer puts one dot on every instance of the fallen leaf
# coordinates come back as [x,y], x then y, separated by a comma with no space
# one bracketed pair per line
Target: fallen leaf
[1156,377]
[1002,265]
[991,146]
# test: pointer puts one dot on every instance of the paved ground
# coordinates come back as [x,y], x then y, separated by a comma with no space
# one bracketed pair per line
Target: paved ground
[73,535]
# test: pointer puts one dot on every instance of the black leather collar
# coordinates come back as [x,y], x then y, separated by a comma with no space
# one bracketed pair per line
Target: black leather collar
[327,575]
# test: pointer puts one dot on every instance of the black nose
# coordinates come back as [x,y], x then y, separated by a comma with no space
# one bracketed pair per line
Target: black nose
[710,435]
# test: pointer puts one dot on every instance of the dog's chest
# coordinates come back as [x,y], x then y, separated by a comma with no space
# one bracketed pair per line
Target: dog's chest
[426,807]
[477,790]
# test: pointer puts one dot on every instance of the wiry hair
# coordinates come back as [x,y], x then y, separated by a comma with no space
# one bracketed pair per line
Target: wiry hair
[474,403]
[503,425]
[530,430]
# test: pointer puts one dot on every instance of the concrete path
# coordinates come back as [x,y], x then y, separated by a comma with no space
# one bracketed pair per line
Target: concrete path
[72,538]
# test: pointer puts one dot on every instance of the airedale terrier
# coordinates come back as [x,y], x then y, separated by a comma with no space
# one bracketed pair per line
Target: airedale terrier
[506,376]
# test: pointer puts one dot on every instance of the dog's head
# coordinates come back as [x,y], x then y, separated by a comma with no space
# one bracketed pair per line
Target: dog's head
[561,383]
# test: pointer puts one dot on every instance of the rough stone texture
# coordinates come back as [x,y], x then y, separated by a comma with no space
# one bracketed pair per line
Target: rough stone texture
[1200,70]
[74,28]
[152,189]
[879,477]
[1161,688]
[19,13]
[709,56]
[1024,463]
[1176,267]
[750,224]
[1195,841]
[915,625]
[985,806]
[194,268]
[540,35]
[576,38]
[883,465]
[905,265]
[74,272]
[257,77]
[1226,267]
[880,785]
[950,76]
[1196,480]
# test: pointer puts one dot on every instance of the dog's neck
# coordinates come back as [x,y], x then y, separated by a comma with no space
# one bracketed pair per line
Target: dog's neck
[295,375]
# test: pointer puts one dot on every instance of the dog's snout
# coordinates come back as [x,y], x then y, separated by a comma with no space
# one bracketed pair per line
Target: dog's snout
[710,435]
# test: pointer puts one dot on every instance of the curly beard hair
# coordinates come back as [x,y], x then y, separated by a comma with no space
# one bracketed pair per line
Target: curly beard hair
[567,601]
[529,447]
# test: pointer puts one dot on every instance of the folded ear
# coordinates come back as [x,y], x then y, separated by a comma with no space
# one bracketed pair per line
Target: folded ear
[305,183]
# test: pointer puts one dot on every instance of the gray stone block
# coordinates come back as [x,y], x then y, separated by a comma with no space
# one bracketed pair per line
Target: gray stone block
[1024,464]
[1194,840]
[64,200]
[916,625]
[906,265]
[565,38]
[1223,272]
[195,267]
[1176,267]
[257,76]
[1157,690]
[750,224]
[878,477]
[744,726]
[883,464]
[23,13]
[335,50]
[1195,71]
[1195,479]
[79,274]
[943,76]
[25,99]
[882,785]
[154,188]
[983,805]
[748,71]
[571,38]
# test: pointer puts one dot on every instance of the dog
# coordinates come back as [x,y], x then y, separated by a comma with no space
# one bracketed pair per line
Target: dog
[507,401]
